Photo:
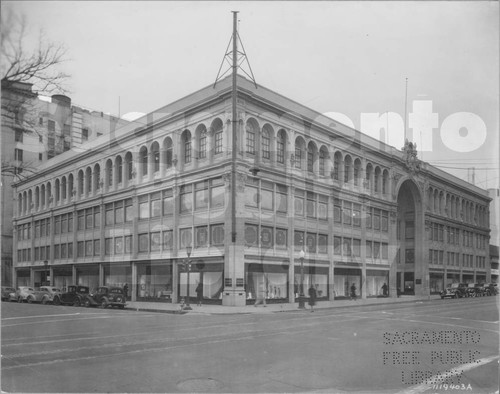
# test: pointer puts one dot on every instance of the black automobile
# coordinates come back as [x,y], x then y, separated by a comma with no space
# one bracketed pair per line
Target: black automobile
[491,289]
[475,290]
[76,295]
[106,296]
[455,290]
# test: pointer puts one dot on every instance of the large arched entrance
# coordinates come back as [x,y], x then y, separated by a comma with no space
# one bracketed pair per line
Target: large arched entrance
[411,278]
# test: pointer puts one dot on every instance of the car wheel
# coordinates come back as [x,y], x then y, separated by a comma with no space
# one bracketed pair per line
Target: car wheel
[19,299]
[57,301]
[86,303]
[30,300]
[77,302]
[44,301]
[104,303]
[121,306]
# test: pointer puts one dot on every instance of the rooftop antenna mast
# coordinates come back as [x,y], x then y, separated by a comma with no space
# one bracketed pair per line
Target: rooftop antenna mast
[234,58]
[406,106]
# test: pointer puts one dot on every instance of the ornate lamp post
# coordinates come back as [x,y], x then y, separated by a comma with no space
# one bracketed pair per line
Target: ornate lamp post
[46,264]
[189,249]
[301,295]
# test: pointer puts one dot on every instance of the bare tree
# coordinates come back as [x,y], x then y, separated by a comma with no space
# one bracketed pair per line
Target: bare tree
[26,71]
[37,66]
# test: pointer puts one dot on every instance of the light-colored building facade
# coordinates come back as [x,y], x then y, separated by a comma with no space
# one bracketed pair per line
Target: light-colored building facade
[316,203]
[35,129]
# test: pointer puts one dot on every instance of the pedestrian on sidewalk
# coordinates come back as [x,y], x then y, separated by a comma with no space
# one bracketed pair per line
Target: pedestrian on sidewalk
[384,289]
[125,291]
[199,293]
[353,292]
[312,297]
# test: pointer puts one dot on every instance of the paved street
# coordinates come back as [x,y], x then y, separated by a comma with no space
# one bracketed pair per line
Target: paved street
[407,347]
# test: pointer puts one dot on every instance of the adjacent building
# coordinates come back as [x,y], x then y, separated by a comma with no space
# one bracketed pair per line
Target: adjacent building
[304,201]
[34,130]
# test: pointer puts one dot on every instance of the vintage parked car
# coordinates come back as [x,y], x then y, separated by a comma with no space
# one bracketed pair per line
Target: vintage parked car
[475,290]
[23,292]
[491,288]
[106,296]
[76,295]
[455,290]
[44,295]
[6,291]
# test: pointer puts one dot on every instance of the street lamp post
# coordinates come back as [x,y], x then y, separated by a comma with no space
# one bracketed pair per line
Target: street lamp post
[46,263]
[189,249]
[301,295]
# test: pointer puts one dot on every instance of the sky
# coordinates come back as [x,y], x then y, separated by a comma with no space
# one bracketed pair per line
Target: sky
[435,64]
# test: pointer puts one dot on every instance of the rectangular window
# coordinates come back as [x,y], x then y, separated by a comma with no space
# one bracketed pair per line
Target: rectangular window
[298,205]
[129,210]
[97,247]
[168,202]
[118,245]
[168,240]
[185,237]
[186,199]
[18,154]
[311,206]
[311,242]
[251,235]
[385,221]
[202,151]
[88,248]
[143,242]
[201,237]
[217,196]
[64,251]
[57,225]
[267,237]
[337,213]
[346,246]
[281,238]
[356,215]
[19,136]
[128,244]
[251,196]
[144,207]
[369,249]
[337,245]
[64,224]
[218,142]
[356,247]
[70,250]
[322,243]
[119,212]
[281,199]
[376,219]
[385,251]
[108,246]
[376,250]
[97,217]
[368,218]
[110,220]
[155,205]
[88,218]
[250,142]
[201,195]
[85,134]
[80,249]
[217,235]
[347,213]
[267,199]
[155,241]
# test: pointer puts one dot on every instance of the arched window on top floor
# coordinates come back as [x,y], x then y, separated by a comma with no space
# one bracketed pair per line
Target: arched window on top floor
[143,155]
[186,141]
[280,147]
[201,135]
[49,193]
[310,157]
[368,176]
[57,186]
[97,178]
[299,147]
[337,159]
[250,130]
[169,154]
[323,154]
[357,171]
[347,168]
[385,182]
[129,164]
[155,156]
[37,198]
[20,204]
[64,188]
[42,196]
[88,180]
[266,142]
[81,182]
[218,143]
[70,185]
[376,179]
[109,173]
[30,200]
[119,170]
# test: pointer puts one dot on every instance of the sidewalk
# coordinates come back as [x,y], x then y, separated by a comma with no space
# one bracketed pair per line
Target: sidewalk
[269,308]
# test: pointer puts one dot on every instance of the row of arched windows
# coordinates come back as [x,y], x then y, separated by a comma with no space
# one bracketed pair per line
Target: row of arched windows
[455,207]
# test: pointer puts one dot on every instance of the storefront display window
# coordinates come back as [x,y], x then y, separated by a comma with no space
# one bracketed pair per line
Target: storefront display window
[435,283]
[374,282]
[313,276]
[343,280]
[210,276]
[154,282]
[270,281]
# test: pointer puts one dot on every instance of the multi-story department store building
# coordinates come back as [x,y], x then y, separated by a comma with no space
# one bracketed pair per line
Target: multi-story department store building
[125,209]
